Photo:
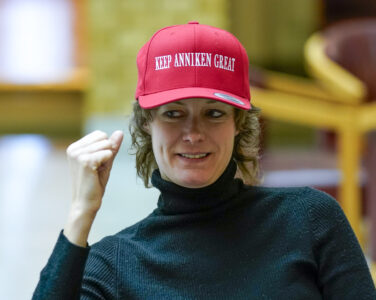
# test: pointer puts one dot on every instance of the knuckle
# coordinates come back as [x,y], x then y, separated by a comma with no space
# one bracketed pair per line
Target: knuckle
[70,150]
[72,153]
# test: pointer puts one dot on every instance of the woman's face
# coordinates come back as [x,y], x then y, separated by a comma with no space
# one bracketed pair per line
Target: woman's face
[192,140]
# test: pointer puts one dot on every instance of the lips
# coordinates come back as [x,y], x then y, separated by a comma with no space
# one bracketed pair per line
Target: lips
[194,155]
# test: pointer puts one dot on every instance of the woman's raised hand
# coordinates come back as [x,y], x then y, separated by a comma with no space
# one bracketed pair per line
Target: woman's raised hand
[90,160]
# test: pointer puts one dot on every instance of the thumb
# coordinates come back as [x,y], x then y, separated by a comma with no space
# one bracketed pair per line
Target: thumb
[116,138]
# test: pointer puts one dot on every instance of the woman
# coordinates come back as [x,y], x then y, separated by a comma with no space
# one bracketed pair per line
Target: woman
[211,236]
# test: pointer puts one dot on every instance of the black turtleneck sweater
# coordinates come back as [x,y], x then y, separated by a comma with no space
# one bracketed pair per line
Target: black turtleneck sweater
[224,241]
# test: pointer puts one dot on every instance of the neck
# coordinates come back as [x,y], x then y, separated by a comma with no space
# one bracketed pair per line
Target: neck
[175,199]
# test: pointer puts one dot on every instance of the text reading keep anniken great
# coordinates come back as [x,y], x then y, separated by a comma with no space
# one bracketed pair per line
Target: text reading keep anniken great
[196,59]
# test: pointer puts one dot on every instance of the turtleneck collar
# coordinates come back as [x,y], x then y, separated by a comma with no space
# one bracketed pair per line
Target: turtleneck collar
[175,199]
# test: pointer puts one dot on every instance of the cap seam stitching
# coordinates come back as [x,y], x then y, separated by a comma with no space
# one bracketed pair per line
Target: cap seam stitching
[195,51]
[147,54]
[242,64]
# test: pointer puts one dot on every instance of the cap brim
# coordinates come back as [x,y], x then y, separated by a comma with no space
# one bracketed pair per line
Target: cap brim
[158,99]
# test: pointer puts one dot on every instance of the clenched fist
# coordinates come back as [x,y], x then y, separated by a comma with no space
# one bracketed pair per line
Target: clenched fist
[90,160]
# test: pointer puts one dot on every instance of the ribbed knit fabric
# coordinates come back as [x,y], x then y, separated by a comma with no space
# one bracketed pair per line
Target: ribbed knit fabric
[224,241]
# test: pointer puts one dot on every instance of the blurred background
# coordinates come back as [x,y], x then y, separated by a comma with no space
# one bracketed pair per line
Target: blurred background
[68,67]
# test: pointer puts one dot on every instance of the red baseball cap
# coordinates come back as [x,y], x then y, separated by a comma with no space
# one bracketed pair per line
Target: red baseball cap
[192,61]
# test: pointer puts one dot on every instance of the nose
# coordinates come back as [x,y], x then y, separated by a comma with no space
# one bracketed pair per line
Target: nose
[193,131]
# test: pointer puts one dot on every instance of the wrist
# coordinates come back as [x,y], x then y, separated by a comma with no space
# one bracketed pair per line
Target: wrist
[78,225]
[81,209]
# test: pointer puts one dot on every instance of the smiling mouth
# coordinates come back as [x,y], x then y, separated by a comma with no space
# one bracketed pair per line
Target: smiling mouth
[193,156]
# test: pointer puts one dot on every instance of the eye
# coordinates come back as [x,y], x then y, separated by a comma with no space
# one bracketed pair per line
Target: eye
[215,113]
[173,114]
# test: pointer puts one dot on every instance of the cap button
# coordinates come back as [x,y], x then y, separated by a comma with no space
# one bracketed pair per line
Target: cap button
[193,22]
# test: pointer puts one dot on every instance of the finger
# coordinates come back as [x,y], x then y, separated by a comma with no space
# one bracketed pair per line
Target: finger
[93,147]
[113,143]
[95,136]
[96,159]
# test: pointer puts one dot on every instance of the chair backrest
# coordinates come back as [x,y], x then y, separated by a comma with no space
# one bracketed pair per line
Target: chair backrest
[337,10]
[352,44]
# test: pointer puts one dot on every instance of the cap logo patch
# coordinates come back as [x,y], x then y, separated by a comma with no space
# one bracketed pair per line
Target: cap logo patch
[195,59]
[229,98]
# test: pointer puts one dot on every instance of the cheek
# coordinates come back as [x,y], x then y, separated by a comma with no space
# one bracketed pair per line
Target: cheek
[163,137]
[226,136]
[158,149]
[157,142]
[227,140]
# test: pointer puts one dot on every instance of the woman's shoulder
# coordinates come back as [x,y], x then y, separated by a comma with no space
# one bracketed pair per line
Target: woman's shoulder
[306,202]
[310,209]
[305,196]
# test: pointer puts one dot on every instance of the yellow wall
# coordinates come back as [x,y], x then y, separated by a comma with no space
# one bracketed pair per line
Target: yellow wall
[274,31]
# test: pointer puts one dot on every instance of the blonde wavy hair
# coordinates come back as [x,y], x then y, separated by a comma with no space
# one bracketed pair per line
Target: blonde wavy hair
[245,152]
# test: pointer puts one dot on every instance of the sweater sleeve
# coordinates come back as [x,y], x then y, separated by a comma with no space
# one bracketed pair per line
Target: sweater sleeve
[343,271]
[74,272]
[62,276]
